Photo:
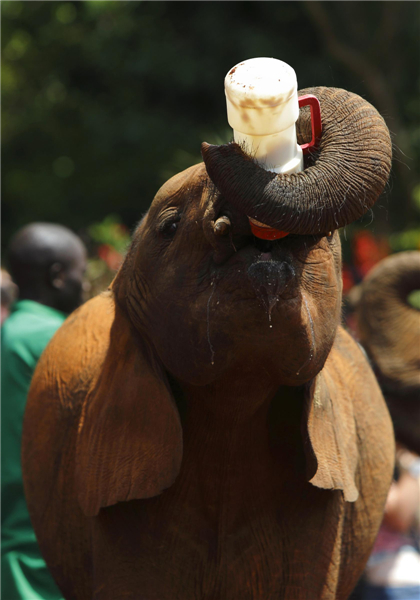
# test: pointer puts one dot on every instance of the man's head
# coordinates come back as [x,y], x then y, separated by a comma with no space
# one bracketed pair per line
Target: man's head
[47,262]
[8,294]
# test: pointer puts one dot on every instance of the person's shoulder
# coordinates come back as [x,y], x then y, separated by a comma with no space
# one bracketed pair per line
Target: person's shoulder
[27,332]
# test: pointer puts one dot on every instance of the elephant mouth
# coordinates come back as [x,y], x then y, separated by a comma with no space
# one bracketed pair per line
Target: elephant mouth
[270,279]
[255,251]
[265,267]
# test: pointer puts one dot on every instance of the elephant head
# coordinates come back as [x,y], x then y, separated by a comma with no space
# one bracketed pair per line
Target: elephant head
[389,329]
[195,267]
[201,302]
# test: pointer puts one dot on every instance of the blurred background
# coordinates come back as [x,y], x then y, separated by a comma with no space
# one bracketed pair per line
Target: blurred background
[103,101]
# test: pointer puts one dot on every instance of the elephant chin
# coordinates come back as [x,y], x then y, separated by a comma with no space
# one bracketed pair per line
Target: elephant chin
[282,336]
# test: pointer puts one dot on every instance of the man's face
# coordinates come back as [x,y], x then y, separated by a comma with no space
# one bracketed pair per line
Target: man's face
[70,293]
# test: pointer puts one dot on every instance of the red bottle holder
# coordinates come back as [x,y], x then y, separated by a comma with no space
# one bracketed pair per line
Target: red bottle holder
[316,123]
[268,233]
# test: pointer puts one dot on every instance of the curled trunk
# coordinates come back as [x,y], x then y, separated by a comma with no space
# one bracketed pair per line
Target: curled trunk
[389,329]
[389,326]
[342,179]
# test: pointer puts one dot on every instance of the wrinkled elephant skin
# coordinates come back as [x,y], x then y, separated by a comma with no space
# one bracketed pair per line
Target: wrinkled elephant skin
[206,429]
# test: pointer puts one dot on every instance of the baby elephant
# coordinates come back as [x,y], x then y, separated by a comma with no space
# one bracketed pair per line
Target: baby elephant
[206,430]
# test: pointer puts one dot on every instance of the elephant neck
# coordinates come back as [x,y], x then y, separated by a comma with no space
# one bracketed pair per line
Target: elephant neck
[239,397]
[234,434]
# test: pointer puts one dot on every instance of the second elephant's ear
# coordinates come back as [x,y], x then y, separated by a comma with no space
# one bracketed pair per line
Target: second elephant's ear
[331,446]
[129,442]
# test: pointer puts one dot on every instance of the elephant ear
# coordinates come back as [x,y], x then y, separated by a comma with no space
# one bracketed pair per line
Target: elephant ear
[331,446]
[129,443]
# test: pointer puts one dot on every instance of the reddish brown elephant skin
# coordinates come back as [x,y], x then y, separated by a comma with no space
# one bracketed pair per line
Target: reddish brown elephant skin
[240,521]
[206,430]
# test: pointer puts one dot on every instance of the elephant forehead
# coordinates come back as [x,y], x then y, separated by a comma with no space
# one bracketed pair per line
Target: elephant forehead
[180,185]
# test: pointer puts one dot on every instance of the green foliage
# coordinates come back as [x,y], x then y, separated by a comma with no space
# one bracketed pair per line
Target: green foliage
[103,101]
[99,275]
[110,231]
[111,239]
[405,240]
[414,299]
[416,197]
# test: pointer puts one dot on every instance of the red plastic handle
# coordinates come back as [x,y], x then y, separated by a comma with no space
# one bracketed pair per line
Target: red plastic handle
[316,123]
[268,233]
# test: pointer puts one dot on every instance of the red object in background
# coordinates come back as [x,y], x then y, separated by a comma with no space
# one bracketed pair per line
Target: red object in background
[367,251]
[109,255]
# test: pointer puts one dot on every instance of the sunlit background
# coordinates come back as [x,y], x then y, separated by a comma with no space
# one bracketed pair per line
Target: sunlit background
[103,101]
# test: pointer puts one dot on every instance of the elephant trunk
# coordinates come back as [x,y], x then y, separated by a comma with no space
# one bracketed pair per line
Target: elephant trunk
[348,171]
[389,327]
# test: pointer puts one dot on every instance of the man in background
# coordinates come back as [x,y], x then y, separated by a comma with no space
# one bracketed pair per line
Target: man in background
[8,294]
[47,262]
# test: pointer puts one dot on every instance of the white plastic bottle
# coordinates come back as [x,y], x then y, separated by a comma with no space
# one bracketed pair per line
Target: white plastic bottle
[262,108]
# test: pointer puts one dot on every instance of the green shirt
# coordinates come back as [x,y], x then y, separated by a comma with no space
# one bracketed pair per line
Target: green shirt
[24,335]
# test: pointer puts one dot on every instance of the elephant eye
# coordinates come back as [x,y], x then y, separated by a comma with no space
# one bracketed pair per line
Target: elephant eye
[169,226]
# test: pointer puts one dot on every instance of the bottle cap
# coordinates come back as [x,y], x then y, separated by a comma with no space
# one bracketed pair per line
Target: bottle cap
[262,108]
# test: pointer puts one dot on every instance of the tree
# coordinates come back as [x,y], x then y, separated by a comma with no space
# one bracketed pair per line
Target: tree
[103,101]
